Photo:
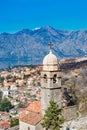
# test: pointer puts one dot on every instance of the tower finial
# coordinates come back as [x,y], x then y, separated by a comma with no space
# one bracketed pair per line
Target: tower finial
[50,45]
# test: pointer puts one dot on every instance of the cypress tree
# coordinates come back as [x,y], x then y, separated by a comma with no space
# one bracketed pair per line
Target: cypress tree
[53,118]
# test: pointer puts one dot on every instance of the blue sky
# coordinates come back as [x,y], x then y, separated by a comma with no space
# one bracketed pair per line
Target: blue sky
[60,14]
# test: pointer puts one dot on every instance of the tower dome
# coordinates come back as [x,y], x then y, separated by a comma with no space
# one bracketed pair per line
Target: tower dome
[50,62]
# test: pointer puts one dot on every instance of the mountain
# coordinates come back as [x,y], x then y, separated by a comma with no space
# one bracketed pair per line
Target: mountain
[32,45]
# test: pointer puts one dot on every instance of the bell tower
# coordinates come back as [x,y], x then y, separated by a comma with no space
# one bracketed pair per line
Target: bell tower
[50,80]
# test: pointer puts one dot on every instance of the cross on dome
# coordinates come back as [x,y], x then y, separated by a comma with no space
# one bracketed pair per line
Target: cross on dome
[50,45]
[50,61]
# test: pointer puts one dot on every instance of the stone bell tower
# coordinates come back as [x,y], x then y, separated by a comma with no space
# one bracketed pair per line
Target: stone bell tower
[50,80]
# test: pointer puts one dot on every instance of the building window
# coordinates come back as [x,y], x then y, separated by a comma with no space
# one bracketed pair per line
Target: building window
[28,128]
[54,78]
[67,128]
[45,78]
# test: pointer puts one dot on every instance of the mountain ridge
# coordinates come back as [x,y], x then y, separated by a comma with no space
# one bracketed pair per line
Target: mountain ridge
[32,45]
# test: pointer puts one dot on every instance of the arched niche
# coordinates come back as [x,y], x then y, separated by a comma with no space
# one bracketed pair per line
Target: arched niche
[55,78]
[45,78]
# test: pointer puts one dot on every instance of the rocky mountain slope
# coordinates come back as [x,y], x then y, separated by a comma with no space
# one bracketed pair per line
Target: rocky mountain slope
[32,45]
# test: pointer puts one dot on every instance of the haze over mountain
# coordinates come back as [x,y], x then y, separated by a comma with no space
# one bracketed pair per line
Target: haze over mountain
[32,45]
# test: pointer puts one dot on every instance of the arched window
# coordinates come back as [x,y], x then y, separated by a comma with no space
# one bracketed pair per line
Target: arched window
[28,128]
[45,78]
[54,78]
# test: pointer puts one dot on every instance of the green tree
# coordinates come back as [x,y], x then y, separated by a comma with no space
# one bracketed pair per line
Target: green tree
[8,77]
[53,118]
[5,105]
[1,79]
[14,122]
[1,94]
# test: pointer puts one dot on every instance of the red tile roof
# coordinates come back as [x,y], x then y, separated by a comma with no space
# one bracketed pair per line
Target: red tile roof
[4,125]
[35,106]
[21,109]
[33,113]
[1,112]
[32,118]
[23,114]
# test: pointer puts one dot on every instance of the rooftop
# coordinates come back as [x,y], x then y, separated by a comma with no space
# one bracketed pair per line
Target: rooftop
[32,113]
[35,106]
[4,125]
[32,118]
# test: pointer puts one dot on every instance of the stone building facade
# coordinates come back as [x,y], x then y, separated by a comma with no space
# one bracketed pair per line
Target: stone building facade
[50,81]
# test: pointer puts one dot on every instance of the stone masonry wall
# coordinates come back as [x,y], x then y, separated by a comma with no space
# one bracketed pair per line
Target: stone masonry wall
[70,113]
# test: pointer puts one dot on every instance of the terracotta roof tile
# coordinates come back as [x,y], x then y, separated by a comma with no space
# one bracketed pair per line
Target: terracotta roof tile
[5,114]
[1,112]
[35,106]
[21,109]
[34,114]
[4,125]
[32,118]
[23,114]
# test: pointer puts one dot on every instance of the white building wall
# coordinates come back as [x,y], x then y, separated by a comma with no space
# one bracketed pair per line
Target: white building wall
[39,127]
[24,126]
[5,93]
